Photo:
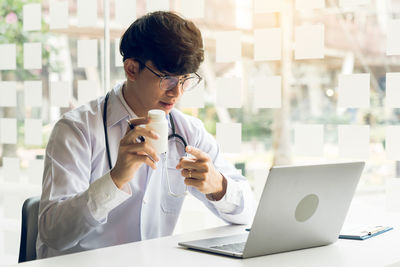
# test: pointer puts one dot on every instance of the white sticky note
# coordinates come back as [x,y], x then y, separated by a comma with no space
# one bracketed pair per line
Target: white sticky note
[353,141]
[157,5]
[118,57]
[87,13]
[353,3]
[309,140]
[353,91]
[8,94]
[228,46]
[392,143]
[60,94]
[193,98]
[393,89]
[8,55]
[8,131]
[191,9]
[268,92]
[35,171]
[125,12]
[229,137]
[87,53]
[229,92]
[87,90]
[33,93]
[393,38]
[58,10]
[11,169]
[32,56]
[32,17]
[267,44]
[263,6]
[310,4]
[33,132]
[309,42]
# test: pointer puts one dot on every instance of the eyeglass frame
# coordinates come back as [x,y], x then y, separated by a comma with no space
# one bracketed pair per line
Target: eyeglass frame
[163,77]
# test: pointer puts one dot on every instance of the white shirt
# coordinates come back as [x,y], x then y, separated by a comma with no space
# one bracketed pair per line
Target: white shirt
[82,209]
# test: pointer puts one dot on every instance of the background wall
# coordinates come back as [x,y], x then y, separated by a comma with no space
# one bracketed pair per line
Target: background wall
[285,82]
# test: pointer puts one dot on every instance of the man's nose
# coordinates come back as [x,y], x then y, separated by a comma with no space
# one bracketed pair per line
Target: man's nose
[175,91]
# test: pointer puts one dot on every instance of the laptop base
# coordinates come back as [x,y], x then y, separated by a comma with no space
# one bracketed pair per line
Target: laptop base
[218,245]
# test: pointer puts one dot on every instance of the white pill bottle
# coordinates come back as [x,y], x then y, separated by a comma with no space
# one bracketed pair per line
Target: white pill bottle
[159,124]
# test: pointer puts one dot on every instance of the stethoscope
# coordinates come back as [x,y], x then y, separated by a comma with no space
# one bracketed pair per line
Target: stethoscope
[174,134]
[171,120]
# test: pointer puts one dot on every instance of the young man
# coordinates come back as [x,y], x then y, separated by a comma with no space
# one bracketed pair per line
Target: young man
[103,182]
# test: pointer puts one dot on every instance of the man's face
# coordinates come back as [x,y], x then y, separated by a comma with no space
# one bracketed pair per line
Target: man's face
[149,95]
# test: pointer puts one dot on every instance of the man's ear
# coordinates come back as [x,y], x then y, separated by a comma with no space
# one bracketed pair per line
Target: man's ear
[132,69]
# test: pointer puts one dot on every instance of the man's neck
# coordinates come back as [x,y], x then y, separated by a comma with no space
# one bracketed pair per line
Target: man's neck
[130,100]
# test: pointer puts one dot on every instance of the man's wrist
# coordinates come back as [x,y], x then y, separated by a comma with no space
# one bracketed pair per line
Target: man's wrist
[218,195]
[117,183]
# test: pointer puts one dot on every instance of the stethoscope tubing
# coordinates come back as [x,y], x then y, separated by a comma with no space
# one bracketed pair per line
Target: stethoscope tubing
[171,119]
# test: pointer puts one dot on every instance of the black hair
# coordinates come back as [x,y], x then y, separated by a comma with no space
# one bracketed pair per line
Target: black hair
[172,43]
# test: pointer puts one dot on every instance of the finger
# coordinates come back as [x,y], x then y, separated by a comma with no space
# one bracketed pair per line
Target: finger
[145,148]
[140,120]
[184,160]
[137,121]
[146,160]
[194,174]
[139,131]
[197,153]
[133,135]
[141,153]
[199,166]
[142,149]
[194,182]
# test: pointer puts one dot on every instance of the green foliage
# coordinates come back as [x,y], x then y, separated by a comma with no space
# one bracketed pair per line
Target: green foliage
[11,31]
[255,126]
[208,115]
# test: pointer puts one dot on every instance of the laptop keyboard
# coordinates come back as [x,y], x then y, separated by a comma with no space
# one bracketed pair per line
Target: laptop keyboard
[235,247]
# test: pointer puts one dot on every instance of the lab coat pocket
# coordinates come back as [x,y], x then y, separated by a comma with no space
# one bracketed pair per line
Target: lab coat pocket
[169,203]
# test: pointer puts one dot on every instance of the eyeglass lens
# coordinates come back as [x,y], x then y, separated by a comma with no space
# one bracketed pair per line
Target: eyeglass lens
[169,83]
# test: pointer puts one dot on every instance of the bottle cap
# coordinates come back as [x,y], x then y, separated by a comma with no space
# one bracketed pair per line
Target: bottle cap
[156,114]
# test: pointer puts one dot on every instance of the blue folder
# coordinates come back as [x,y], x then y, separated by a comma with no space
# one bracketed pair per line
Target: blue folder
[364,233]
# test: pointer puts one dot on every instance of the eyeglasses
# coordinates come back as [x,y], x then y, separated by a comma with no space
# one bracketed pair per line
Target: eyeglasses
[167,82]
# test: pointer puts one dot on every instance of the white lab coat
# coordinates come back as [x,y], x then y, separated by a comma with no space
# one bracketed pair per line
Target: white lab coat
[82,209]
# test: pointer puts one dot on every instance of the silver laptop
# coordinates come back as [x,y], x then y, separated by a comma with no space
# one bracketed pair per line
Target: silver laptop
[300,207]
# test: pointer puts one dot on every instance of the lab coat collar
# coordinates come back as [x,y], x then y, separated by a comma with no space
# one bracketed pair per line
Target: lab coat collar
[116,111]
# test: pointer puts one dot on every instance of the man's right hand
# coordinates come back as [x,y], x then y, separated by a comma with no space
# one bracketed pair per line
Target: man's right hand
[132,154]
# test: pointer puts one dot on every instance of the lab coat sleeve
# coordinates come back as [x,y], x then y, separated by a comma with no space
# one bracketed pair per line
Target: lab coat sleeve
[104,196]
[71,207]
[238,204]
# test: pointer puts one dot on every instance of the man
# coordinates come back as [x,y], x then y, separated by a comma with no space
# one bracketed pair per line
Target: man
[103,183]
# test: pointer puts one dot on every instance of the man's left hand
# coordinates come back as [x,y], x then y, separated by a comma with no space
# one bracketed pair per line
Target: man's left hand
[200,173]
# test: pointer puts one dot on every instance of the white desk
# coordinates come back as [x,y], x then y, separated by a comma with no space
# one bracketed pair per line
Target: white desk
[381,250]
